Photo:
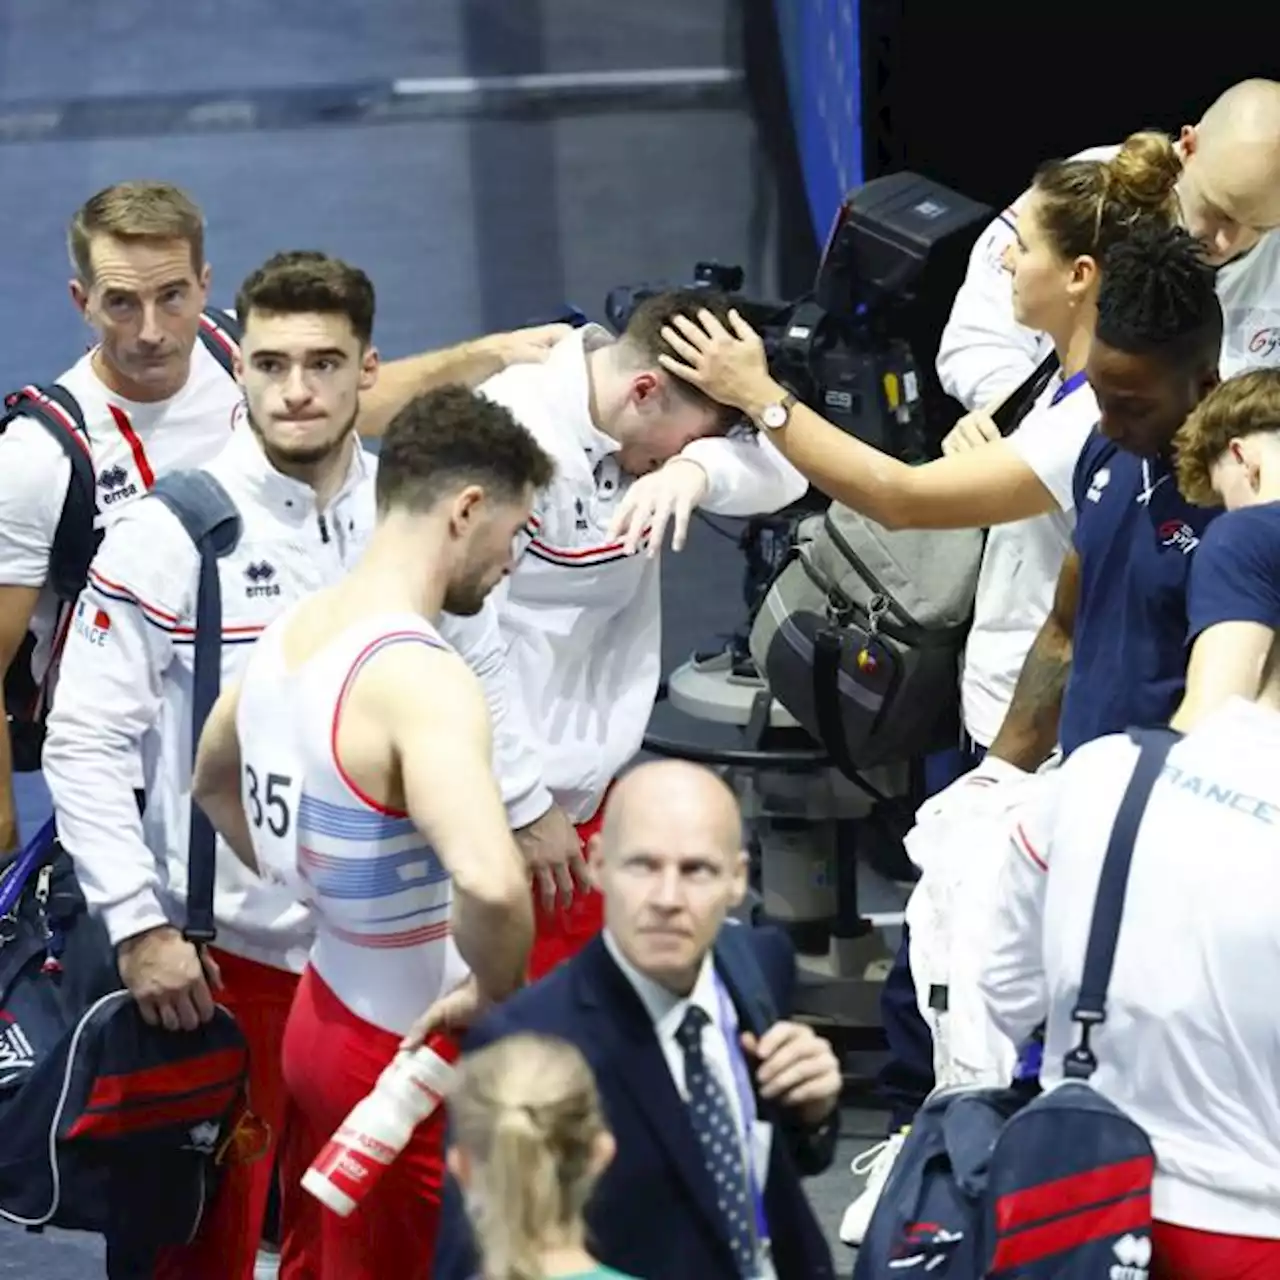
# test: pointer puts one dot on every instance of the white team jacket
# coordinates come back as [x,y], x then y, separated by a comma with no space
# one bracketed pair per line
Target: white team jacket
[1190,1046]
[581,621]
[121,717]
[960,842]
[985,352]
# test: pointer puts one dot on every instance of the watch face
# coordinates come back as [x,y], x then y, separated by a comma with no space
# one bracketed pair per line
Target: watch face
[774,416]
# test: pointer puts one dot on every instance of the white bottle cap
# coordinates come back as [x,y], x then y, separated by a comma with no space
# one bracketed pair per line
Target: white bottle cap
[328,1195]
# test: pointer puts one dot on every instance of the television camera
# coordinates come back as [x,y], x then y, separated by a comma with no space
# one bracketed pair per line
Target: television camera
[859,348]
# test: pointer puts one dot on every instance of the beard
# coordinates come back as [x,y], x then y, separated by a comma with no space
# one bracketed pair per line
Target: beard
[465,598]
[302,455]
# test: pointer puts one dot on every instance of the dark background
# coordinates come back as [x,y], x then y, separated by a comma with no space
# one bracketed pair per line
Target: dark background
[977,95]
[980,94]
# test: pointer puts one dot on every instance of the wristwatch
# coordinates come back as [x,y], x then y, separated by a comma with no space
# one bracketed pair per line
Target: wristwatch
[774,416]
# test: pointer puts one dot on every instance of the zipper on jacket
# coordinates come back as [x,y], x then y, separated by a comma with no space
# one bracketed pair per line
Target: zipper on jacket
[324,528]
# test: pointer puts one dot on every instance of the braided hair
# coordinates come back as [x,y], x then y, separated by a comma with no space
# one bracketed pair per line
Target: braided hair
[1157,298]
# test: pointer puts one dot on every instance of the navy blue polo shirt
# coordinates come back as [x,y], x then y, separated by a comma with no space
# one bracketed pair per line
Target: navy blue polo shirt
[1235,574]
[1137,538]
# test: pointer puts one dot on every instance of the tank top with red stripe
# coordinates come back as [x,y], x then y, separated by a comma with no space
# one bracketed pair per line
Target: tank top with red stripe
[381,897]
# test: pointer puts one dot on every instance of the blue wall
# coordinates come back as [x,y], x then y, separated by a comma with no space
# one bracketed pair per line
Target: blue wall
[824,83]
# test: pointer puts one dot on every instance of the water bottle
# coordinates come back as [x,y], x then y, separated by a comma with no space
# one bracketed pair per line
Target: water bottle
[380,1125]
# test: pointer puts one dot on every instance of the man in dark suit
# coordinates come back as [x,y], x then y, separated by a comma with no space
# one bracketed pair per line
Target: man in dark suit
[718,1105]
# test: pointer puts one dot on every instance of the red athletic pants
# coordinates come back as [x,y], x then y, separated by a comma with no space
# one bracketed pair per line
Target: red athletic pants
[1182,1253]
[259,997]
[563,931]
[225,1246]
[331,1061]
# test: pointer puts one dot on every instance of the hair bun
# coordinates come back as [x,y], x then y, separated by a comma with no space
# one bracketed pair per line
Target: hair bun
[1144,171]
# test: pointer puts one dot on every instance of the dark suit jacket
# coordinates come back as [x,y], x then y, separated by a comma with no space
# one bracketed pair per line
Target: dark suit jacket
[654,1213]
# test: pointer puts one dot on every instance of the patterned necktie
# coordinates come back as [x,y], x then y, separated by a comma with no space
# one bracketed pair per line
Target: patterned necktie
[713,1122]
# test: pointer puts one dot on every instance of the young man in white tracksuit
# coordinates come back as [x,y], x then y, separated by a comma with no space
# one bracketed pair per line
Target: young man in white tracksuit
[580,617]
[1230,198]
[121,719]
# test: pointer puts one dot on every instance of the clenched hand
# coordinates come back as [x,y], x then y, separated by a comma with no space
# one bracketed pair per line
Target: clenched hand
[797,1068]
[454,1012]
[973,430]
[169,978]
[554,853]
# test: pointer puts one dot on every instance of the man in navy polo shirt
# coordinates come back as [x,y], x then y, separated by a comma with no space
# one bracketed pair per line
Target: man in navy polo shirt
[1228,454]
[1112,653]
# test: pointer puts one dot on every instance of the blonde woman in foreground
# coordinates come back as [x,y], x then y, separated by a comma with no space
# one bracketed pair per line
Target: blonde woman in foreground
[529,1143]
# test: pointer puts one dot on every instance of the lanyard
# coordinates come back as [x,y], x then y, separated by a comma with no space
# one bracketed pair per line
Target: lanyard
[1069,385]
[747,1105]
[16,874]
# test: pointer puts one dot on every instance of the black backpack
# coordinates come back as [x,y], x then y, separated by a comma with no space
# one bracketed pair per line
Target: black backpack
[77,536]
[860,635]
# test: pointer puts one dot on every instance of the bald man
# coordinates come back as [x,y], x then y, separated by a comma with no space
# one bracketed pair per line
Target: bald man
[719,1105]
[1229,193]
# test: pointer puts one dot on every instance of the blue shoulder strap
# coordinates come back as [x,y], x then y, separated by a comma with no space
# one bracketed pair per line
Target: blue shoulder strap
[15,873]
[212,522]
[1108,906]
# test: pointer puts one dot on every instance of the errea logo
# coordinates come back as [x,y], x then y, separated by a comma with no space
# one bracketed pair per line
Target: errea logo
[114,484]
[1101,479]
[261,578]
[1133,1258]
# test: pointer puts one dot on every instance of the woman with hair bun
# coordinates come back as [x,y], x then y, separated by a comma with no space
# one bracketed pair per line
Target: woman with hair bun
[1018,484]
[529,1144]
[1075,211]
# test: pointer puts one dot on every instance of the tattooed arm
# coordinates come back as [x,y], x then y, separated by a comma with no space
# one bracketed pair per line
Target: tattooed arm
[1030,729]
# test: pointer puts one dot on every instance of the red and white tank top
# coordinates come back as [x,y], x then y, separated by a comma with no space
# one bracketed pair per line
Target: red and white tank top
[381,897]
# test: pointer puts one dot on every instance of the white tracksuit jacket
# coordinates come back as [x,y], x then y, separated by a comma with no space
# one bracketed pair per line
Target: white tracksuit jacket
[959,842]
[1191,1043]
[121,716]
[581,621]
[985,352]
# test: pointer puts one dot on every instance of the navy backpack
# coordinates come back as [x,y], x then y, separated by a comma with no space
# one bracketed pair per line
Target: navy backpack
[1059,1188]
[107,1124]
